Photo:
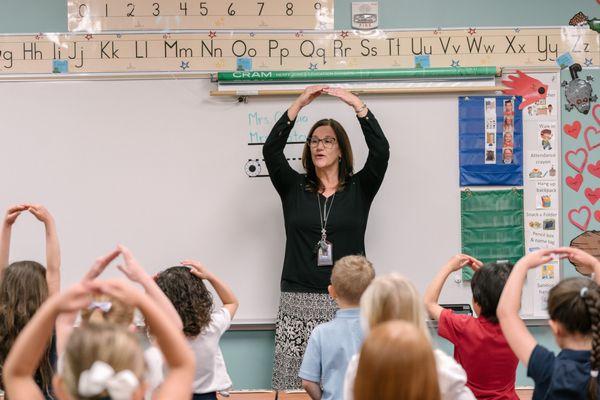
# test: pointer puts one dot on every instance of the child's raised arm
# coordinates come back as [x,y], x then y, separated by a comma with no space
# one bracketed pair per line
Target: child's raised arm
[66,321]
[520,340]
[585,262]
[52,247]
[5,233]
[432,294]
[25,355]
[136,273]
[172,343]
[228,298]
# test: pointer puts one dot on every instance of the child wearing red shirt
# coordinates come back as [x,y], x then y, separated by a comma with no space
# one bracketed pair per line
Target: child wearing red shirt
[479,345]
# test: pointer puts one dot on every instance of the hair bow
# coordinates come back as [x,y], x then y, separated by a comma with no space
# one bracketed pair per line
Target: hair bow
[102,377]
[104,306]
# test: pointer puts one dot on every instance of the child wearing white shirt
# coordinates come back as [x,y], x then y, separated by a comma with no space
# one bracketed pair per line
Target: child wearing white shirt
[203,325]
[393,297]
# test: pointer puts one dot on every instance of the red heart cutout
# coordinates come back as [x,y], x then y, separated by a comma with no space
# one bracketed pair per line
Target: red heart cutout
[577,165]
[597,215]
[593,195]
[594,169]
[574,182]
[573,130]
[594,111]
[594,141]
[584,214]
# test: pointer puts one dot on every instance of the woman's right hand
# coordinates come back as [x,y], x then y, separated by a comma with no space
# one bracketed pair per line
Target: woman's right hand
[307,96]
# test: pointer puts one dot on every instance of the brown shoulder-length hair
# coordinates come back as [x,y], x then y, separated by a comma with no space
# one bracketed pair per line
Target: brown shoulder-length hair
[23,289]
[396,362]
[313,183]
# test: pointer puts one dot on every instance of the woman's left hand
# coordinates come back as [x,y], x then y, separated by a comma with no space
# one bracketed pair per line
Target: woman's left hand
[346,96]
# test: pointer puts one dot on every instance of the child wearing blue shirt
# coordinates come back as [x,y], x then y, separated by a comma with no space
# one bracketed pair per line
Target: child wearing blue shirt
[574,310]
[332,344]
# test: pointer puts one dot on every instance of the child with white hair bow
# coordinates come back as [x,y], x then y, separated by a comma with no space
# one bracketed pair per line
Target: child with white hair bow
[102,361]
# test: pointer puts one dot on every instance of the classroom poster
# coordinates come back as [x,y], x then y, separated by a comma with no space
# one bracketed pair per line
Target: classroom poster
[541,165]
[541,185]
[541,230]
[580,159]
[546,137]
[544,108]
[546,195]
[546,277]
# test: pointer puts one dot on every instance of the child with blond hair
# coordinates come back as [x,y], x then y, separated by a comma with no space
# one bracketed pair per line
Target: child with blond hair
[393,297]
[331,345]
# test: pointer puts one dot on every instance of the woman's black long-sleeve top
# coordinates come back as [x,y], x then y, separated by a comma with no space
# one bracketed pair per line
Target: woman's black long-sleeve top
[347,221]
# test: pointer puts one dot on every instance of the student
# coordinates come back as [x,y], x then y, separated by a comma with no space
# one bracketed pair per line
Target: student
[24,286]
[101,361]
[397,362]
[573,307]
[393,297]
[331,345]
[479,345]
[105,309]
[202,326]
[136,274]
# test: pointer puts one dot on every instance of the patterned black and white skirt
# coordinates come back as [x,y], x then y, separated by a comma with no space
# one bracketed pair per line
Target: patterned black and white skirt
[299,314]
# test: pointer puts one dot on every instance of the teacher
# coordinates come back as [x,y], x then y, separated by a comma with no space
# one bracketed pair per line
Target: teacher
[325,213]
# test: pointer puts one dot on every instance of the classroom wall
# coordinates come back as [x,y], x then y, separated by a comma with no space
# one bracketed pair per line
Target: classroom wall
[249,355]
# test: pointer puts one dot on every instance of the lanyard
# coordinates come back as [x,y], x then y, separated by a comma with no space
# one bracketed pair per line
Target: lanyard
[324,215]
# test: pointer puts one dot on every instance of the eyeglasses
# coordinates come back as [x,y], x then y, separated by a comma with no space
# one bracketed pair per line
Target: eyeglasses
[328,142]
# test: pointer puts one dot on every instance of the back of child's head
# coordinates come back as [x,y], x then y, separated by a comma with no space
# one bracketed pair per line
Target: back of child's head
[91,349]
[396,362]
[189,296]
[107,309]
[351,276]
[574,303]
[23,289]
[487,284]
[392,297]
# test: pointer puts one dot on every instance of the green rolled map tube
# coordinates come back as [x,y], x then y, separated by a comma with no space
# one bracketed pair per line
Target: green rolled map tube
[355,74]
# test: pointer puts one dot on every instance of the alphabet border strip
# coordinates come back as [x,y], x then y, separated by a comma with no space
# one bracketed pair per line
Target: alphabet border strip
[212,51]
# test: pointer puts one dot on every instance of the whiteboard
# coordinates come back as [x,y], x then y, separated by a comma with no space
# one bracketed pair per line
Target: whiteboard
[162,167]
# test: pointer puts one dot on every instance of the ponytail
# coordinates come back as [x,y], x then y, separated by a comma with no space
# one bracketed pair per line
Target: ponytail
[592,302]
[97,316]
[107,309]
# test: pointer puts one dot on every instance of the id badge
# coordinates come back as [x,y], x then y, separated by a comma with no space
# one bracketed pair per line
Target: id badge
[325,255]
